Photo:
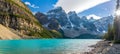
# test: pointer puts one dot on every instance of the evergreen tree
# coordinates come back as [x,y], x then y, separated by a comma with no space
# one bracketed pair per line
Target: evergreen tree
[110,34]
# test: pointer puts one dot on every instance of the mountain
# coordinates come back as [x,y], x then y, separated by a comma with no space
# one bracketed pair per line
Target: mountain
[103,23]
[42,18]
[73,19]
[73,26]
[59,14]
[16,16]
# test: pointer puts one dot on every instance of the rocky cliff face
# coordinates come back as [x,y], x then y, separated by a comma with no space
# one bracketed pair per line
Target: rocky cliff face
[59,14]
[15,15]
[51,24]
[42,18]
[74,19]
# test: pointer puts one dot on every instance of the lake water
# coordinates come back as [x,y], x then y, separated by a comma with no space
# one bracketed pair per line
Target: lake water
[46,46]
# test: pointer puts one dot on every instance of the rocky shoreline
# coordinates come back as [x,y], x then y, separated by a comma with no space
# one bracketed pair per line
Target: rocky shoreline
[105,47]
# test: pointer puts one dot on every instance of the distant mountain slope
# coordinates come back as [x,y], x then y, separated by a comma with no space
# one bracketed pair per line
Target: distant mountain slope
[103,23]
[15,15]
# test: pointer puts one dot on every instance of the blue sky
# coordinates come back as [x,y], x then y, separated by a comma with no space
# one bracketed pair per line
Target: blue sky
[95,8]
[103,10]
[44,5]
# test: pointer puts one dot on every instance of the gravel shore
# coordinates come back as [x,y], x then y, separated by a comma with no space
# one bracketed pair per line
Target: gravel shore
[105,47]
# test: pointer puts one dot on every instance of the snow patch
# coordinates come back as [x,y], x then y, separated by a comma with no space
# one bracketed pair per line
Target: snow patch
[104,31]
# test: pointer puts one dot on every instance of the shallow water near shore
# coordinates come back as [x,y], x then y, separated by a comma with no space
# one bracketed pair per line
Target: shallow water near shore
[46,46]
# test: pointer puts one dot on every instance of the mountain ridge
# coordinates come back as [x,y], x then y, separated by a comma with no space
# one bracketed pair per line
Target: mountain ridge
[74,25]
[15,15]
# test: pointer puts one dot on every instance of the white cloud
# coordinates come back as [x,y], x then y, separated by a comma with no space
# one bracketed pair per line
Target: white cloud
[78,5]
[31,5]
[94,16]
[34,13]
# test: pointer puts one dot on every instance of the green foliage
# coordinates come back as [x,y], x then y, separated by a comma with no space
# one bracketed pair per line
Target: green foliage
[88,36]
[4,14]
[17,16]
[46,34]
[40,34]
[110,34]
[56,34]
[116,41]
[13,15]
[37,23]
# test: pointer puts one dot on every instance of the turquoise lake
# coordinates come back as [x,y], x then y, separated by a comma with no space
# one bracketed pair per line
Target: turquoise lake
[46,46]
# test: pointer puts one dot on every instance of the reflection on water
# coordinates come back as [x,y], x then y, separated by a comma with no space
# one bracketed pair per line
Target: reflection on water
[46,46]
